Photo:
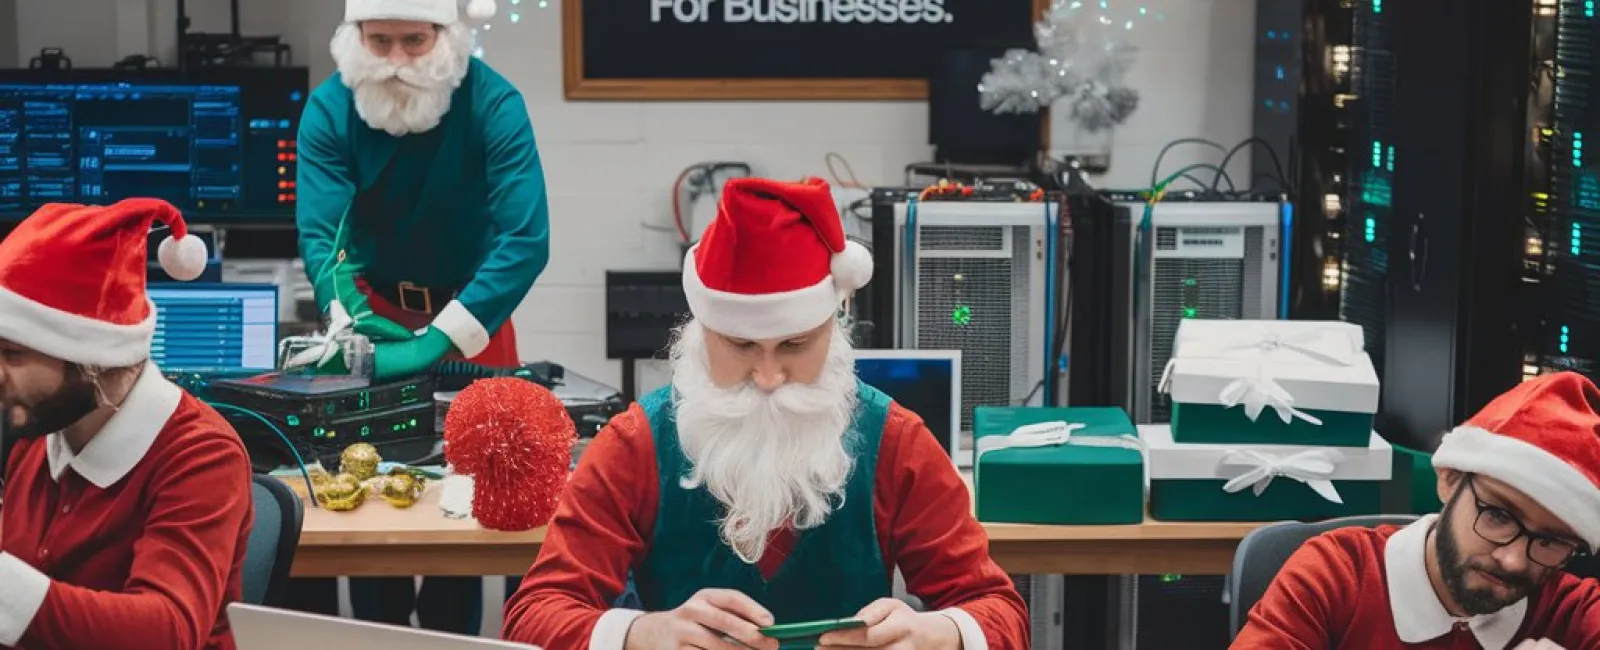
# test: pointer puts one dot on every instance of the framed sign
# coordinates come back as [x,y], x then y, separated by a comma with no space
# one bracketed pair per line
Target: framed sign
[775,49]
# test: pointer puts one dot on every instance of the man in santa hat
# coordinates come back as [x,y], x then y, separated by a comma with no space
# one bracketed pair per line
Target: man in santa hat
[767,484]
[422,217]
[421,203]
[1520,482]
[127,501]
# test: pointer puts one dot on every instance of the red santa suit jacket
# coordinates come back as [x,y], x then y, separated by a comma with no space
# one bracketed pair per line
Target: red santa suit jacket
[137,542]
[1368,589]
[604,522]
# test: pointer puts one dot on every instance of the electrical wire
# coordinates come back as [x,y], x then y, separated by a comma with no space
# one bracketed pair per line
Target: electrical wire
[1155,171]
[854,183]
[311,490]
[677,202]
[1276,164]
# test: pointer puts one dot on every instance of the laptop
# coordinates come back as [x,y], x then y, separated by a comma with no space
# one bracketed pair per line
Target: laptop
[267,628]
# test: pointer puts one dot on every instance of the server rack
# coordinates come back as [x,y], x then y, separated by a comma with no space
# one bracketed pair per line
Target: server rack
[1455,246]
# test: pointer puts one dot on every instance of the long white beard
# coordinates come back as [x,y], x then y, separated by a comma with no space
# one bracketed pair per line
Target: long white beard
[772,459]
[406,99]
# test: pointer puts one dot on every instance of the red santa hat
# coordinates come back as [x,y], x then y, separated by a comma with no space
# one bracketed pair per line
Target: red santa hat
[72,279]
[775,262]
[1542,438]
[438,12]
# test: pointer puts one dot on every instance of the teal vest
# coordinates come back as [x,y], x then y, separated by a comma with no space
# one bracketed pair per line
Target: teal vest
[833,570]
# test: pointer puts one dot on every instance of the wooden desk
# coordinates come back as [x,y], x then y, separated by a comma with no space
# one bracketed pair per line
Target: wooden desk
[380,540]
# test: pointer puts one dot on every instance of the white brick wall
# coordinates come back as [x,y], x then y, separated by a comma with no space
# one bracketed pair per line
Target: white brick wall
[610,165]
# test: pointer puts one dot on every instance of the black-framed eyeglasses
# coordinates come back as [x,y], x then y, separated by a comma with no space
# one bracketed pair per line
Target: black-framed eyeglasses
[1498,526]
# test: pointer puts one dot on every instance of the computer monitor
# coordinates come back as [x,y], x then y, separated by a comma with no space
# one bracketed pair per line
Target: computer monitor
[266,628]
[926,382]
[221,147]
[215,326]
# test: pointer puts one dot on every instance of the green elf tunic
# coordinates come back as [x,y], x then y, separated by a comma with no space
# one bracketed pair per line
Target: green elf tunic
[687,554]
[458,213]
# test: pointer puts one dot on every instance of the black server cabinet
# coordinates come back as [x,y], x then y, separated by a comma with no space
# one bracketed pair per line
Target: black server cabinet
[1456,236]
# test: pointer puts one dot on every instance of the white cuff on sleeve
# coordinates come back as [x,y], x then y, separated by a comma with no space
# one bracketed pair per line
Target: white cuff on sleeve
[469,336]
[20,599]
[611,631]
[971,633]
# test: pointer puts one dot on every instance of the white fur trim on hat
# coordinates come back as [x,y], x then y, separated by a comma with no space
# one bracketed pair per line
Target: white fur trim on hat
[74,338]
[438,12]
[481,10]
[1544,477]
[183,259]
[852,269]
[759,317]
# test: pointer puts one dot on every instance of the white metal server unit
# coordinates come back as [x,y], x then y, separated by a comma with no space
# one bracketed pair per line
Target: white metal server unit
[978,277]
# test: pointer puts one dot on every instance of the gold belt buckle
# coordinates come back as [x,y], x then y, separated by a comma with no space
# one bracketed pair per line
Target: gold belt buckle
[408,289]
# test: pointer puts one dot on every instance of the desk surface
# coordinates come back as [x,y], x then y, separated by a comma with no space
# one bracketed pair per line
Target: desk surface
[378,539]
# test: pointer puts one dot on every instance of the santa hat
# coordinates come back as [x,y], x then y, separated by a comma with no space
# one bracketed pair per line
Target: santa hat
[72,279]
[1542,438]
[775,262]
[438,12]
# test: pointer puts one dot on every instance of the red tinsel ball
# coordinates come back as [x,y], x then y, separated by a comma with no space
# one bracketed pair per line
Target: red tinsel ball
[514,438]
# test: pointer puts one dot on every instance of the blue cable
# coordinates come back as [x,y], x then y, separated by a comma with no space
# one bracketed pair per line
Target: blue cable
[1050,362]
[311,490]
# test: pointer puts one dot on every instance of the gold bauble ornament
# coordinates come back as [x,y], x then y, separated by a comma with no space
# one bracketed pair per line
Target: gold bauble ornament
[360,460]
[401,488]
[341,493]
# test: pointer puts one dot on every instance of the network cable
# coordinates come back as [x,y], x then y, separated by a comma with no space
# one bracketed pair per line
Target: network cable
[298,459]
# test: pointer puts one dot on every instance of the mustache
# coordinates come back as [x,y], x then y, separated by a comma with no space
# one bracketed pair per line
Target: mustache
[1513,580]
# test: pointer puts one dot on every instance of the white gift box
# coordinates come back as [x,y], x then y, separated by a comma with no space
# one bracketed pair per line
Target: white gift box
[1255,466]
[1288,366]
[1352,389]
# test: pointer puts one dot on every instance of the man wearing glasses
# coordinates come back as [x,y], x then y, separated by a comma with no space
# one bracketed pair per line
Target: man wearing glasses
[1521,486]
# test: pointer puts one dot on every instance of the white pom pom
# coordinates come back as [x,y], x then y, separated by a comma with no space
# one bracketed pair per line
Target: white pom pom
[481,10]
[852,268]
[184,259]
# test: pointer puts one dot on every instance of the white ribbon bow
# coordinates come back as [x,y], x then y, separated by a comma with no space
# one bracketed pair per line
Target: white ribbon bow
[1055,434]
[1257,393]
[1314,467]
[328,343]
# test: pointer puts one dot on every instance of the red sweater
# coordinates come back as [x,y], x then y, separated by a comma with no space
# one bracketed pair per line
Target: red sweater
[137,541]
[603,526]
[1368,589]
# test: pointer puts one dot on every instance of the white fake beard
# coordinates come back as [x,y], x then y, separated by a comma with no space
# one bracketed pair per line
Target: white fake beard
[407,99]
[772,459]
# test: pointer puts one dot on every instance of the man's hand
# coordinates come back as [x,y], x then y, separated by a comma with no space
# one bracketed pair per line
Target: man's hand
[393,360]
[714,619]
[892,624]
[1541,644]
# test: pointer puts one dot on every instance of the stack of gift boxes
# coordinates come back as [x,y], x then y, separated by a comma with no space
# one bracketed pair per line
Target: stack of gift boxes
[1271,420]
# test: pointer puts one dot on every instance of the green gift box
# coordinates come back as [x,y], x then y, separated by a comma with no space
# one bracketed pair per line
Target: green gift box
[1424,481]
[1254,482]
[1321,404]
[1087,470]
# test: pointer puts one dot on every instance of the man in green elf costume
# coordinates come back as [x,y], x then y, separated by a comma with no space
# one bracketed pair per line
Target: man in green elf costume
[423,217]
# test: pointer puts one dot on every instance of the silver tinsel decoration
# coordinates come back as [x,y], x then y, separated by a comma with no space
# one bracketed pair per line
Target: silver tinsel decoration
[1083,56]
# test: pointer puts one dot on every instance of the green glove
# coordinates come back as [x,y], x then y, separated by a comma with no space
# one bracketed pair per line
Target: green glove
[397,359]
[342,289]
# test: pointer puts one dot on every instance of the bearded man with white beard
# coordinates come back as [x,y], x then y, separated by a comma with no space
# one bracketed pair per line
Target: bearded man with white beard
[766,484]
[423,218]
[422,210]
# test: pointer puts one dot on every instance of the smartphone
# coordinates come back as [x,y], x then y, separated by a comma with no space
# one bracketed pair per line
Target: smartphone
[811,628]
